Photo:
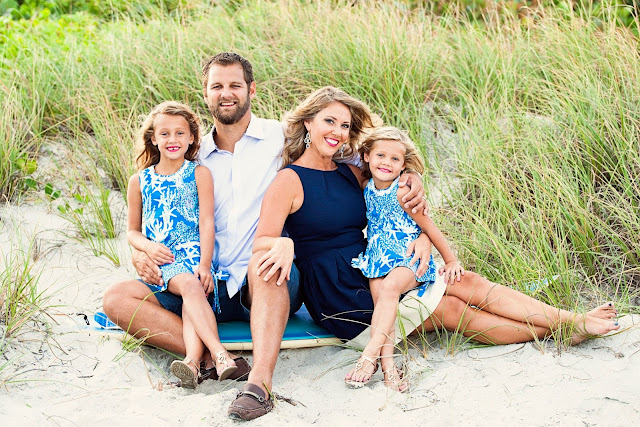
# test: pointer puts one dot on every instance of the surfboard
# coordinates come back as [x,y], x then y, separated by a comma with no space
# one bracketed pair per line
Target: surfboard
[301,332]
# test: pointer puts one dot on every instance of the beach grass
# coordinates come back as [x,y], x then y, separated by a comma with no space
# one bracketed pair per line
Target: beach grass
[531,123]
[24,306]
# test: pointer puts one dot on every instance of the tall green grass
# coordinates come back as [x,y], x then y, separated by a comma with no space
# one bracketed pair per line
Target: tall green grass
[23,306]
[543,113]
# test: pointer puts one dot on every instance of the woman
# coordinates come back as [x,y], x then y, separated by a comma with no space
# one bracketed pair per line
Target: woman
[320,203]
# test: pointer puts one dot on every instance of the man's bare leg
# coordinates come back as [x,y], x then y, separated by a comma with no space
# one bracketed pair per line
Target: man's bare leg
[269,315]
[126,305]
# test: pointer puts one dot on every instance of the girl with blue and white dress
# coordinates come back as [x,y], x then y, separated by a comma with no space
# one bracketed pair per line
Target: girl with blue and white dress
[390,230]
[471,305]
[170,218]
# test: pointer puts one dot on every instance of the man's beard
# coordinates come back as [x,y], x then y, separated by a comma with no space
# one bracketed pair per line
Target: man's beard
[229,119]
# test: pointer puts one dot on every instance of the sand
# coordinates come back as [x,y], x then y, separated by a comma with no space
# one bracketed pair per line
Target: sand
[64,376]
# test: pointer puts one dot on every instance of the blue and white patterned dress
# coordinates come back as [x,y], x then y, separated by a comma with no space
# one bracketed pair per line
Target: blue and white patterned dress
[170,215]
[389,231]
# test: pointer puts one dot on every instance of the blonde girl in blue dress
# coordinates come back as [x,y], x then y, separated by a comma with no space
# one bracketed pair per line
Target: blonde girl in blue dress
[170,218]
[390,230]
[473,306]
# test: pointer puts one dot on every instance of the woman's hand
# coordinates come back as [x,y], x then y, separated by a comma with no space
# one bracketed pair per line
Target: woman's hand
[204,274]
[421,251]
[452,271]
[159,253]
[414,199]
[279,257]
[146,268]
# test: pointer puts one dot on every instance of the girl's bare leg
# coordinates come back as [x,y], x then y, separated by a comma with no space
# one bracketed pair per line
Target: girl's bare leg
[393,377]
[386,294]
[511,304]
[197,309]
[192,342]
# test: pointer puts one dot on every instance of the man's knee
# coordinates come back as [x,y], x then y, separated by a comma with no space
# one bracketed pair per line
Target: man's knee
[252,268]
[116,296]
[113,297]
[256,281]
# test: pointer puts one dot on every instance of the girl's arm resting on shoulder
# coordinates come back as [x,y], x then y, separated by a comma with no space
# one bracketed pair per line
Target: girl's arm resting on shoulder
[204,182]
[158,252]
[452,269]
[277,204]
[414,198]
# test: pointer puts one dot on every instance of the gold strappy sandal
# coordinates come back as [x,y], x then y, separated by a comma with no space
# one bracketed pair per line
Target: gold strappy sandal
[395,382]
[181,369]
[359,384]
[228,369]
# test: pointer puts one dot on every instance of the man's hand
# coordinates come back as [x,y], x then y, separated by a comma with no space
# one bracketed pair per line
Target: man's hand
[421,251]
[414,199]
[147,269]
[279,257]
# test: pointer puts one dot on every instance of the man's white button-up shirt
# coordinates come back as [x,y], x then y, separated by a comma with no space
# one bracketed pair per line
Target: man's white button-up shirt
[240,180]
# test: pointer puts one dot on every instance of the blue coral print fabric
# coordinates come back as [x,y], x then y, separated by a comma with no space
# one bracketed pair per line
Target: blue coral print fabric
[170,215]
[389,231]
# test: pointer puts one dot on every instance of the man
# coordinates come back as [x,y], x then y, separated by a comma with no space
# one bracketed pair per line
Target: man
[243,153]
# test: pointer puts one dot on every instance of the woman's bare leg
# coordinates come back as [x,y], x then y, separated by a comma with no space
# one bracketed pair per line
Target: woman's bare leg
[511,304]
[454,314]
[605,311]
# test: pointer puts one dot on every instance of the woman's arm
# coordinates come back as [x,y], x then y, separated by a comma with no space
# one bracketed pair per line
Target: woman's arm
[204,182]
[157,252]
[283,197]
[452,269]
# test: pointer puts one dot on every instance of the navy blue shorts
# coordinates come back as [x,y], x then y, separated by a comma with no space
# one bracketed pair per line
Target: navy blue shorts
[232,308]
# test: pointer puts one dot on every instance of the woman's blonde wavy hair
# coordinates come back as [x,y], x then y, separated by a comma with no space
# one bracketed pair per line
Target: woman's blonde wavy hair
[295,131]
[147,153]
[412,159]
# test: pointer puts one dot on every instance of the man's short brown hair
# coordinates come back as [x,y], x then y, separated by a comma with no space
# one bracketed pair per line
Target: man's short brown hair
[225,59]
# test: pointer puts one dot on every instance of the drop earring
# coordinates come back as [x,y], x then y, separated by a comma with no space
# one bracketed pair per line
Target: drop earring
[342,152]
[307,140]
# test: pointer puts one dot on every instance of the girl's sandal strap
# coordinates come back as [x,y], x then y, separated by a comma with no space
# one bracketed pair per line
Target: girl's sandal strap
[227,369]
[192,362]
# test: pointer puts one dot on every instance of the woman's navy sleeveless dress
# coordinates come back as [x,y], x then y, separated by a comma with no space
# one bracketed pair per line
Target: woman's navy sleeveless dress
[327,234]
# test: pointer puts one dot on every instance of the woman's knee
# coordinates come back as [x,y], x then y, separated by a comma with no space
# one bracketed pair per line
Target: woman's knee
[453,311]
[469,284]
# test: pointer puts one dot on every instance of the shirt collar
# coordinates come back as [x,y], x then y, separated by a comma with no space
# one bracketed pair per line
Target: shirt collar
[254,130]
